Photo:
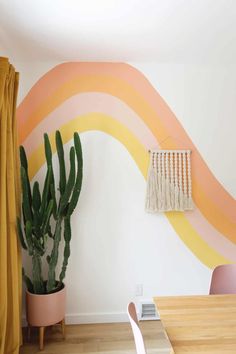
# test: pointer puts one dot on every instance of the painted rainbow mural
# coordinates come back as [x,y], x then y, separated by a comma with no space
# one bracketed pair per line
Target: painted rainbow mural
[117,99]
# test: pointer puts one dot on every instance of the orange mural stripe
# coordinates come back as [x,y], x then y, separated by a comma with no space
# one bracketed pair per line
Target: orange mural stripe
[210,211]
[101,122]
[107,84]
[80,105]
[65,71]
[126,93]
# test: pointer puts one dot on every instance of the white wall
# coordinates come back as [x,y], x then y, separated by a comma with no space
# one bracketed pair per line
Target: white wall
[115,244]
[203,98]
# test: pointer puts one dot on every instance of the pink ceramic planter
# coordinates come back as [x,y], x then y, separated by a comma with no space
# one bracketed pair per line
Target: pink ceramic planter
[45,310]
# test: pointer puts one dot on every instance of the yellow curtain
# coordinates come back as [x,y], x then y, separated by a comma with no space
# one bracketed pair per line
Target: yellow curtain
[10,258]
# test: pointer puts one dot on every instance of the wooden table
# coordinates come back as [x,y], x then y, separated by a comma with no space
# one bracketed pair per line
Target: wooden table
[199,324]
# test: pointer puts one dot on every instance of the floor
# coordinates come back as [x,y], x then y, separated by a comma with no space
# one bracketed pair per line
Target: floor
[113,338]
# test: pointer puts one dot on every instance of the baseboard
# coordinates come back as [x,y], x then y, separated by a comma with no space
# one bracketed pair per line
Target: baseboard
[105,317]
[83,318]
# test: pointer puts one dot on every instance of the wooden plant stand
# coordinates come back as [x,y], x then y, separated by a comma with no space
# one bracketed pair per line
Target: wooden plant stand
[42,330]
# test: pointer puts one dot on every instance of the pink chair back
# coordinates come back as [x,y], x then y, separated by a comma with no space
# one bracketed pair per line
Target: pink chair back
[138,337]
[223,280]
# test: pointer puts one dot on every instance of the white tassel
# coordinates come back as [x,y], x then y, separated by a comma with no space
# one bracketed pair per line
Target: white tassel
[169,182]
[176,191]
[163,183]
[190,202]
[181,199]
[172,186]
[185,196]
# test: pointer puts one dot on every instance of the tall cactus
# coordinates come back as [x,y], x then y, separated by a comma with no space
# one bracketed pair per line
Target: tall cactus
[38,211]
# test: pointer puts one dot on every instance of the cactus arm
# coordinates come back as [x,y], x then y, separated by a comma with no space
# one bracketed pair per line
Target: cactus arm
[37,211]
[38,247]
[47,149]
[24,163]
[36,199]
[79,176]
[53,196]
[37,274]
[79,155]
[28,236]
[48,214]
[60,154]
[26,203]
[46,191]
[36,225]
[70,183]
[27,281]
[48,154]
[36,203]
[20,234]
[23,158]
[67,238]
[51,283]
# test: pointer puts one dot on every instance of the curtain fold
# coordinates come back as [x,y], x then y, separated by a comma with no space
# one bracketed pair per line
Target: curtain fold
[10,254]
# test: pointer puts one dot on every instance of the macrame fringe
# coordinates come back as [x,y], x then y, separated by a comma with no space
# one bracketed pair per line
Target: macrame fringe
[163,193]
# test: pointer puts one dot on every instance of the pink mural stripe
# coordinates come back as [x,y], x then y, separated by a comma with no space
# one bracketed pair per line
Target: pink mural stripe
[207,207]
[80,105]
[61,73]
[212,236]
[86,103]
[221,223]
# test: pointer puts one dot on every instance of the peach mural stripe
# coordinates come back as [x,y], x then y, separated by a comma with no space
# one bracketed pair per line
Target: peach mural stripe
[84,103]
[66,71]
[75,86]
[95,121]
[104,84]
[212,212]
[80,105]
[208,233]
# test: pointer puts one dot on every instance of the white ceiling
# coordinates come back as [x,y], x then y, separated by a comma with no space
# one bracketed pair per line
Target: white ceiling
[179,31]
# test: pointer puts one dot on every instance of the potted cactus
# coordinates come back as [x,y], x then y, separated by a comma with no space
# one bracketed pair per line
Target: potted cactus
[47,216]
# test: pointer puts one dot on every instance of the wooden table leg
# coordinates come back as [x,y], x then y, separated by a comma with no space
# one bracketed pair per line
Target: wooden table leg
[63,328]
[41,337]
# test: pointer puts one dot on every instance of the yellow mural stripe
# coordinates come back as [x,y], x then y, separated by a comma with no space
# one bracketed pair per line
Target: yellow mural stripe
[94,121]
[104,123]
[133,99]
[205,204]
[194,242]
[96,83]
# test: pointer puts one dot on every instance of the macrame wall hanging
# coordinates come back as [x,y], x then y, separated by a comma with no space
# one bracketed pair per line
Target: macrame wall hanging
[169,184]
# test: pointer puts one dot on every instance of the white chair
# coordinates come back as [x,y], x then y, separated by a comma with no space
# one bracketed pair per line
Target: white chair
[138,337]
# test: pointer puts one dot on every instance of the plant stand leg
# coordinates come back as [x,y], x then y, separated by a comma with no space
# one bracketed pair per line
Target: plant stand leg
[28,332]
[63,328]
[41,337]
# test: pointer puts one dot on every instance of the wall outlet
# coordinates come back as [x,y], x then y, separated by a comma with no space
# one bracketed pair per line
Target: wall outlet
[139,290]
